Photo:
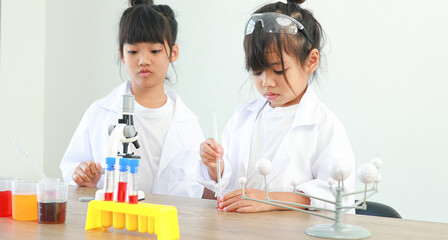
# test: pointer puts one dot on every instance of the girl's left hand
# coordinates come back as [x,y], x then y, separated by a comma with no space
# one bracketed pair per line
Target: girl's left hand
[233,201]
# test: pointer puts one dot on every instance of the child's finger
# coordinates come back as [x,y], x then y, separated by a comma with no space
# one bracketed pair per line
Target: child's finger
[232,194]
[80,174]
[220,150]
[237,205]
[228,202]
[214,145]
[77,179]
[208,150]
[86,170]
[245,209]
[98,168]
[92,168]
[98,175]
[207,157]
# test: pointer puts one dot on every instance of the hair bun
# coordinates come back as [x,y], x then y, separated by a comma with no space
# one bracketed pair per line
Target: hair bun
[296,1]
[138,2]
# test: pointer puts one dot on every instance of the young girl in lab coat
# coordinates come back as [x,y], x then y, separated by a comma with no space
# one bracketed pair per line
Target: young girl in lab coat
[288,125]
[168,131]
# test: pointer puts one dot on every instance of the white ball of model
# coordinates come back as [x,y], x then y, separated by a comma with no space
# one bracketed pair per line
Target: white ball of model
[368,173]
[295,181]
[378,178]
[377,162]
[340,170]
[264,166]
[242,180]
[331,181]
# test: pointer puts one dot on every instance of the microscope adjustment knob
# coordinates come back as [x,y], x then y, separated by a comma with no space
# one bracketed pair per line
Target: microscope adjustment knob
[110,129]
[129,131]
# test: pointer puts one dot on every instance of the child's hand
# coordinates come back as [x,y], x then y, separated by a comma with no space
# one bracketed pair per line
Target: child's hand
[87,174]
[210,151]
[233,201]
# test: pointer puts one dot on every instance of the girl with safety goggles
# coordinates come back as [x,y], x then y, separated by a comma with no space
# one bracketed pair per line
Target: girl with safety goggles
[289,126]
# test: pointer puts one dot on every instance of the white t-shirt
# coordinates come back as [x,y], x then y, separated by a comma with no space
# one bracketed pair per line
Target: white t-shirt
[152,125]
[270,130]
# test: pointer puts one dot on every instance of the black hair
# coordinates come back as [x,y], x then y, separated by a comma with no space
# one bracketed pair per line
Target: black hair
[145,22]
[296,45]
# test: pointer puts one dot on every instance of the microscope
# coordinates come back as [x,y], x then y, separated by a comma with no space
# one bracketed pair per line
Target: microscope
[124,131]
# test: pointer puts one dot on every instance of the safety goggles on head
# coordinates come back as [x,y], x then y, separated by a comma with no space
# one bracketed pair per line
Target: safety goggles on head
[273,22]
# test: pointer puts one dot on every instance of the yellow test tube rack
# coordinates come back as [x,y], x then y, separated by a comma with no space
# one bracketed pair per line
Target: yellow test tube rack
[144,217]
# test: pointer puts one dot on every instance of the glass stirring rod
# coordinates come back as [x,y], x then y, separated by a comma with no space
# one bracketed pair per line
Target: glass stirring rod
[218,160]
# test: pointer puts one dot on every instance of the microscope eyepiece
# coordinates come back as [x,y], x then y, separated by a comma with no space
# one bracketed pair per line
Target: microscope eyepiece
[128,103]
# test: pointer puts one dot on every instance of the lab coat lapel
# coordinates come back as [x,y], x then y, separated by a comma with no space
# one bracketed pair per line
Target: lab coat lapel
[248,130]
[174,142]
[170,150]
[248,133]
[306,114]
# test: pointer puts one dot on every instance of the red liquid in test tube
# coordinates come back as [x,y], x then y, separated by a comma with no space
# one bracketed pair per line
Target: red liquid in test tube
[121,194]
[109,196]
[122,180]
[133,199]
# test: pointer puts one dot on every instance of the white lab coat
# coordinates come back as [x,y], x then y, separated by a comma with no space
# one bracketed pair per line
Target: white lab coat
[314,141]
[178,166]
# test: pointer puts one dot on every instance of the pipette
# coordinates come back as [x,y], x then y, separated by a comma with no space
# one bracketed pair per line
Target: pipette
[25,152]
[218,160]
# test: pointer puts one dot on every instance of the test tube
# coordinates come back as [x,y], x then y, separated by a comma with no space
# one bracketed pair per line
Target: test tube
[218,160]
[133,181]
[119,219]
[109,179]
[122,180]
[132,219]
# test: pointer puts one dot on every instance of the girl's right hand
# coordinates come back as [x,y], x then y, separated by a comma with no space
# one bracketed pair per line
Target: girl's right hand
[87,174]
[210,151]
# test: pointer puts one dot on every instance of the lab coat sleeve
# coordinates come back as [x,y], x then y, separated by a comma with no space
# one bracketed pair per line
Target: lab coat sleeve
[184,175]
[332,144]
[79,149]
[210,184]
[186,184]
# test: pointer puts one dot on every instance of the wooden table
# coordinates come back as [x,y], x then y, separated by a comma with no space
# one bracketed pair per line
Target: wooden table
[198,219]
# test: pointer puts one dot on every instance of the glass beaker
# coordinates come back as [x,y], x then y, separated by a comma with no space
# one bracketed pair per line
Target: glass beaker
[52,201]
[24,200]
[5,196]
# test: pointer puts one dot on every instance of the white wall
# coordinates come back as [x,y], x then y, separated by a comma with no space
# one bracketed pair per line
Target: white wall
[22,85]
[384,79]
[81,66]
[387,82]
